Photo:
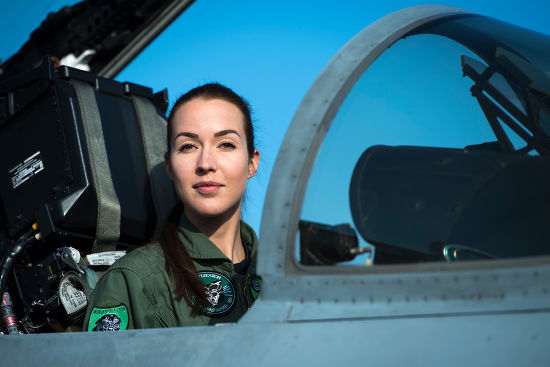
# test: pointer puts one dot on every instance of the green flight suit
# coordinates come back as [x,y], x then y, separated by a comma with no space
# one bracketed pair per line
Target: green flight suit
[136,292]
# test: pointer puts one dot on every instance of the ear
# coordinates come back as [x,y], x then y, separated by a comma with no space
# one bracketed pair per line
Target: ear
[253,164]
[168,167]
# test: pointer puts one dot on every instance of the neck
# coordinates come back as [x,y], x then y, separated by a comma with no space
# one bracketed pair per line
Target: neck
[223,230]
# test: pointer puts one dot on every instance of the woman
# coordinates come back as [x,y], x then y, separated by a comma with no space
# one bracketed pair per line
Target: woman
[202,271]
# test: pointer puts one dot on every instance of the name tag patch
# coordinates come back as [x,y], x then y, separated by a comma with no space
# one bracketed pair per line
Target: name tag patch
[108,319]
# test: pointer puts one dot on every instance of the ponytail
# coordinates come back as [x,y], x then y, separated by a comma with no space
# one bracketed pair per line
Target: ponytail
[180,266]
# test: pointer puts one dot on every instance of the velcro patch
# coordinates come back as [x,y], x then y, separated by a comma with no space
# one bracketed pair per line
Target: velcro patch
[255,286]
[108,319]
[220,293]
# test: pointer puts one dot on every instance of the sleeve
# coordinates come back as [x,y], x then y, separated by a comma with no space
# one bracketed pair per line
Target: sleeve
[119,302]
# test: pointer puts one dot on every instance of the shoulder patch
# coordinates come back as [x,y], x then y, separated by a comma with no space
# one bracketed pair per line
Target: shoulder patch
[108,319]
[220,293]
[255,286]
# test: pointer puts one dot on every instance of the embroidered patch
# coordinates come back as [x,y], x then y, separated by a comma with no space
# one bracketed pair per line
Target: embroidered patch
[71,294]
[108,319]
[255,286]
[220,293]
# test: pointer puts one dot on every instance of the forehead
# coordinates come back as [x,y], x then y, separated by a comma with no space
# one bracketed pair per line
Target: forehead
[208,116]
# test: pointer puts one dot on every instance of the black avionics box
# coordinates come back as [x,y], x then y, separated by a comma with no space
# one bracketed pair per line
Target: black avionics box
[82,156]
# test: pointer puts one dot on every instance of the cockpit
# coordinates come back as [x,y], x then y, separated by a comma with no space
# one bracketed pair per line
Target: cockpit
[439,151]
[423,144]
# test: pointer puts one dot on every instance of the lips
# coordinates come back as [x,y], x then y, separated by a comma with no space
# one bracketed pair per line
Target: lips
[207,187]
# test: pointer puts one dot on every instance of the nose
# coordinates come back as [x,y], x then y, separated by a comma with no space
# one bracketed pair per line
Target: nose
[206,161]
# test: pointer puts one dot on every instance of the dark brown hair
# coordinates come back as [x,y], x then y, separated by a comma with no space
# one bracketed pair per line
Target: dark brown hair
[216,91]
[179,265]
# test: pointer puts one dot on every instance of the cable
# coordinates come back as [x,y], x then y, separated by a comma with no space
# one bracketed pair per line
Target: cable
[8,261]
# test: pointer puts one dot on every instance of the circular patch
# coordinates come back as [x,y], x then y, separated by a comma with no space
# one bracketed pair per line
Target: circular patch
[220,293]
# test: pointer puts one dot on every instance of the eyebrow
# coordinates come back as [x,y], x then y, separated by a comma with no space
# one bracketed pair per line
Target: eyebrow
[189,135]
[225,132]
[217,134]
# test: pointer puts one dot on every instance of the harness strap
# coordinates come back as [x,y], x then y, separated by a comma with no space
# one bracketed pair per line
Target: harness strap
[108,211]
[153,136]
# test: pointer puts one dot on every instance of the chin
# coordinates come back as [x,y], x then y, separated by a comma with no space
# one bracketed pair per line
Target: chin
[214,211]
[209,213]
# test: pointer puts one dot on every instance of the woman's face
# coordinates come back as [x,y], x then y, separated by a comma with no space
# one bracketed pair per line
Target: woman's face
[208,159]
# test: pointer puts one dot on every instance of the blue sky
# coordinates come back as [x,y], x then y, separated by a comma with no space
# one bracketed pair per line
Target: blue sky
[269,52]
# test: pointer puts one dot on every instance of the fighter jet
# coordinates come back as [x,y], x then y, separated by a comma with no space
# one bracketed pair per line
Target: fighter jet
[427,246]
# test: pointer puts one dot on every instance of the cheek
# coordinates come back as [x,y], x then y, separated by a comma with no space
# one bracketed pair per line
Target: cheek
[181,171]
[238,169]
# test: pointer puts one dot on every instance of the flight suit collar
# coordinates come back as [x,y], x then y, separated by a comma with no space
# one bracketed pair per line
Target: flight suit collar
[198,246]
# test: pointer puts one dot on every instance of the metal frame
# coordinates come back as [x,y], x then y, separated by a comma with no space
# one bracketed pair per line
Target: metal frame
[525,125]
[292,292]
[312,120]
[146,36]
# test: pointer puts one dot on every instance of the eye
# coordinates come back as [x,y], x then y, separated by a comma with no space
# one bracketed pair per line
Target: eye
[186,147]
[227,145]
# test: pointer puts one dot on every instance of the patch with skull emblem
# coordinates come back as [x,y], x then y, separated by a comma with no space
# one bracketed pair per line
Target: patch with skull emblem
[220,293]
[108,319]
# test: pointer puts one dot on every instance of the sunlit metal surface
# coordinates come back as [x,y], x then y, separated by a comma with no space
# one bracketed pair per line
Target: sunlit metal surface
[436,341]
